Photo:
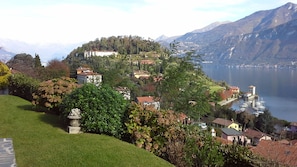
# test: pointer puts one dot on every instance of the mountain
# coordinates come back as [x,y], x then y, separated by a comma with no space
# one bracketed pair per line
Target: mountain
[46,52]
[165,41]
[5,56]
[210,27]
[266,36]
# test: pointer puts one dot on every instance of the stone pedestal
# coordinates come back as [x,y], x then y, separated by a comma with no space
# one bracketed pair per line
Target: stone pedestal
[74,117]
[74,130]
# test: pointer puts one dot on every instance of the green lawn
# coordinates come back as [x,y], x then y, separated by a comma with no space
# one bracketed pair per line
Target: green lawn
[40,140]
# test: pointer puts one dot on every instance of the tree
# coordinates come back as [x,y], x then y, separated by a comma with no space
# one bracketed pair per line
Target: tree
[201,149]
[22,86]
[23,63]
[4,75]
[264,122]
[37,63]
[55,69]
[102,109]
[50,93]
[181,84]
[246,119]
[157,131]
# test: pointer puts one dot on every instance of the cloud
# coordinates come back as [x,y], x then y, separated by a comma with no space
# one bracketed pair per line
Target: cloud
[69,21]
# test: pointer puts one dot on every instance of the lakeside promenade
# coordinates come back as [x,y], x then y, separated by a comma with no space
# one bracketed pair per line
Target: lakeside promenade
[225,102]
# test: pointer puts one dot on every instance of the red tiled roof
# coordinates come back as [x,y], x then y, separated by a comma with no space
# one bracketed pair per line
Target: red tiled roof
[284,154]
[223,141]
[147,62]
[222,121]
[148,99]
[182,116]
[294,142]
[88,73]
[253,133]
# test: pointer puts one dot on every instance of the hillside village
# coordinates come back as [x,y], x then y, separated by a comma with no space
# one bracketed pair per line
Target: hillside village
[230,131]
[140,78]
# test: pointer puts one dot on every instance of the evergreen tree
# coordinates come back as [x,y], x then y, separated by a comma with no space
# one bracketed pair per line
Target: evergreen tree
[37,61]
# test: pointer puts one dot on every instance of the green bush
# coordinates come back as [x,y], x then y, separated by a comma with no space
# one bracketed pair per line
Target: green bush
[22,86]
[102,109]
[50,93]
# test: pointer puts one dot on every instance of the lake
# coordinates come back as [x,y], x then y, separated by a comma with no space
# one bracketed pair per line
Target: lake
[277,87]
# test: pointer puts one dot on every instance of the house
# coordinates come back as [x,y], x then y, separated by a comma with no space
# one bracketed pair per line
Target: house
[83,69]
[125,92]
[148,101]
[233,135]
[148,62]
[183,118]
[235,89]
[224,123]
[282,153]
[92,53]
[254,136]
[86,75]
[141,74]
[293,127]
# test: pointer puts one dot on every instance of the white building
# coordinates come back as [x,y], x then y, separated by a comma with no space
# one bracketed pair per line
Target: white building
[148,101]
[92,53]
[86,75]
[125,92]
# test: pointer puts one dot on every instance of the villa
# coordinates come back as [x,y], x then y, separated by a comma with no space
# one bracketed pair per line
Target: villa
[86,75]
[224,123]
[148,101]
[92,53]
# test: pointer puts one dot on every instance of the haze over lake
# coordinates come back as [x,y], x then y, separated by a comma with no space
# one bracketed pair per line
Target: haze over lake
[277,87]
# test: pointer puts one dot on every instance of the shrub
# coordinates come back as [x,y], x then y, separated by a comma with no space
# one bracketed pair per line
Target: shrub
[4,75]
[102,109]
[50,93]
[157,131]
[201,149]
[22,86]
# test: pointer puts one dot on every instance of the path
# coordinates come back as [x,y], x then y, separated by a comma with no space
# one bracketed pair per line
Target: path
[224,102]
[7,156]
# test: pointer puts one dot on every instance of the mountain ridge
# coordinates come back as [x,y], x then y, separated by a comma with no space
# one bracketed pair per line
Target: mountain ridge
[222,45]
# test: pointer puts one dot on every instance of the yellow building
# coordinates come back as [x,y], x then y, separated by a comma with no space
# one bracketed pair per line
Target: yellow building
[224,123]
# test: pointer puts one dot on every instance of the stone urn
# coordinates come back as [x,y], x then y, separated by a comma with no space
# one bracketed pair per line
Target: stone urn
[74,118]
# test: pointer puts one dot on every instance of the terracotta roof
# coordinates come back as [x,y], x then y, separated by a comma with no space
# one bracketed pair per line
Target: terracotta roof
[182,116]
[223,141]
[234,87]
[147,62]
[148,99]
[250,133]
[88,73]
[284,154]
[294,142]
[222,121]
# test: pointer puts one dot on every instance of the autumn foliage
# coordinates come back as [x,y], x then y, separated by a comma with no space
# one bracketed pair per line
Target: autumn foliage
[4,74]
[157,131]
[51,93]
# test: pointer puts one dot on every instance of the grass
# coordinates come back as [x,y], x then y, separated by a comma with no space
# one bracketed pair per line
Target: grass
[40,139]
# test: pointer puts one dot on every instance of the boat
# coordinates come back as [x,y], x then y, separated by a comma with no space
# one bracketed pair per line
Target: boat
[244,105]
[258,112]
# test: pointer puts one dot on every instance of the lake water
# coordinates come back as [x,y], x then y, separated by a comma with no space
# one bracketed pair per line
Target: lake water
[277,87]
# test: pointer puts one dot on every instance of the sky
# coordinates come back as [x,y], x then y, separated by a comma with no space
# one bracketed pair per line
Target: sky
[74,21]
